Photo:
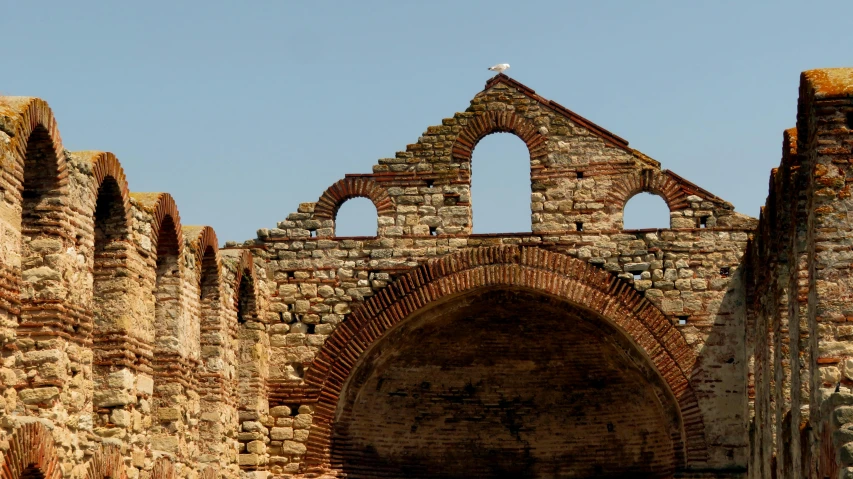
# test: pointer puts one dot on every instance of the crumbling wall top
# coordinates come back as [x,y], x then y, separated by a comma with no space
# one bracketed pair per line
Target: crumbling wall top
[829,82]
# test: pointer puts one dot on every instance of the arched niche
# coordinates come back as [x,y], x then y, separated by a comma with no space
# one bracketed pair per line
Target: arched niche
[504,382]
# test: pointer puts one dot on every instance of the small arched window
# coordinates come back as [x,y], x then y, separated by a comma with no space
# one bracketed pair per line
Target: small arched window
[644,211]
[500,185]
[356,217]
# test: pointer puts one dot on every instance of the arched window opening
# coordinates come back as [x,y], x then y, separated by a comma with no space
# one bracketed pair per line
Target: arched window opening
[645,211]
[356,217]
[500,185]
[245,298]
[32,472]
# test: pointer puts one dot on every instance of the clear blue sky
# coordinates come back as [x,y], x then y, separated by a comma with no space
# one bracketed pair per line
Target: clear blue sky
[242,110]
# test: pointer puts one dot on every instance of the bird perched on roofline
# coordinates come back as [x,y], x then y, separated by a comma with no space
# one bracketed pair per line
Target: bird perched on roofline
[500,67]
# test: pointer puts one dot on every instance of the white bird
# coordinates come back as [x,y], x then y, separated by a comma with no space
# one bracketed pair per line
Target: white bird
[500,67]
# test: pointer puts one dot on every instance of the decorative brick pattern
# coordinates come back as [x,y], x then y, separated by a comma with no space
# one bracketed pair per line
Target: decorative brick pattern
[353,187]
[495,122]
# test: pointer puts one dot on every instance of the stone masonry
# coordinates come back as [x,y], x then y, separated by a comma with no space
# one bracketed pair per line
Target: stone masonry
[136,347]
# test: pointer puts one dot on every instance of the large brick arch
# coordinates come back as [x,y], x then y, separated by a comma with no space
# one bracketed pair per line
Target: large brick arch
[552,274]
[353,187]
[490,122]
[31,446]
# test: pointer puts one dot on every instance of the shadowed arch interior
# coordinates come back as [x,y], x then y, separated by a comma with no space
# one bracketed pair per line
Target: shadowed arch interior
[506,383]
[41,180]
[42,231]
[246,298]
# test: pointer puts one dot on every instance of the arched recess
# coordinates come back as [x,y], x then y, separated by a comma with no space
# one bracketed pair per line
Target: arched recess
[107,463]
[172,371]
[37,181]
[550,274]
[353,187]
[111,282]
[252,342]
[213,374]
[505,382]
[31,454]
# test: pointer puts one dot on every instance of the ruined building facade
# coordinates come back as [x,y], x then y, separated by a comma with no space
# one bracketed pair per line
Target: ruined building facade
[134,347]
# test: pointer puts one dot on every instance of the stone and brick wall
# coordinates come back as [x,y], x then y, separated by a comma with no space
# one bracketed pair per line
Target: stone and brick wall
[799,293]
[133,346]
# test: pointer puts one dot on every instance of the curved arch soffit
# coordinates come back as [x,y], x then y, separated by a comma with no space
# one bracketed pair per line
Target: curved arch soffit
[107,462]
[163,469]
[31,445]
[553,274]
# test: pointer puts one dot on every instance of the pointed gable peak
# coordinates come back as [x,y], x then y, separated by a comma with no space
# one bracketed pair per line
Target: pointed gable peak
[603,133]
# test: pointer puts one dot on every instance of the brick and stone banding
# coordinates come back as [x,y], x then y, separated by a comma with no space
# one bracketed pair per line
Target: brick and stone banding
[134,347]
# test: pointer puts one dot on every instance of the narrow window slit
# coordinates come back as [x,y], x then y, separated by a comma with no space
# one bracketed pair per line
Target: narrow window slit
[579,225]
